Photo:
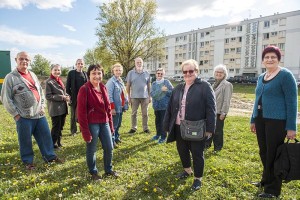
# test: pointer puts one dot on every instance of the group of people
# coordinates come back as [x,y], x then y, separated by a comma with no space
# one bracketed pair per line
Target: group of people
[99,108]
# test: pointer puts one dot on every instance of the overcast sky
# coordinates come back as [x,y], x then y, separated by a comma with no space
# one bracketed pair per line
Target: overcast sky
[62,30]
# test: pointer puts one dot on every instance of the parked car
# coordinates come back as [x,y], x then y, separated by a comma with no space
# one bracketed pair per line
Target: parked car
[211,80]
[231,79]
[178,78]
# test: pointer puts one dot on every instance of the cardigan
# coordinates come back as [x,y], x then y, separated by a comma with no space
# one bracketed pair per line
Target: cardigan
[160,99]
[223,95]
[279,98]
[93,110]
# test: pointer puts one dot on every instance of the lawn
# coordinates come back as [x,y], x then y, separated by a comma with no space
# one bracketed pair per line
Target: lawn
[147,169]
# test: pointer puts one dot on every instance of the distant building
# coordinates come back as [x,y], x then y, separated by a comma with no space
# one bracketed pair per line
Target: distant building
[238,46]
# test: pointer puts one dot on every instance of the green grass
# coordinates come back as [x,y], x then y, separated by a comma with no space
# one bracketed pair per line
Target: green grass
[147,169]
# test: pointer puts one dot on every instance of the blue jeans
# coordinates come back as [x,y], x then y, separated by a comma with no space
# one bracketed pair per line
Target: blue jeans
[117,120]
[101,131]
[40,130]
[159,118]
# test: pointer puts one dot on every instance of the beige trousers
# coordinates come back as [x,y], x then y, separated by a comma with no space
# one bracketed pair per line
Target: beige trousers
[135,102]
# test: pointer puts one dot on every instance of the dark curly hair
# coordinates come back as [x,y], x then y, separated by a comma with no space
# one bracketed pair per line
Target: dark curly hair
[94,67]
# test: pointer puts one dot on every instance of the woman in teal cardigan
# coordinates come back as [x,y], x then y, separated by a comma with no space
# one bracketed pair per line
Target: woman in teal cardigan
[274,116]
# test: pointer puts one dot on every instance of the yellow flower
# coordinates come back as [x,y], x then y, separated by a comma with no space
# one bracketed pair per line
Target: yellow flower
[65,189]
[154,190]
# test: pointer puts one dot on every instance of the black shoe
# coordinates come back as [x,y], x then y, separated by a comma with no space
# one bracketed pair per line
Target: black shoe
[183,175]
[115,145]
[131,131]
[267,196]
[112,173]
[56,147]
[147,131]
[196,184]
[96,177]
[257,184]
[118,141]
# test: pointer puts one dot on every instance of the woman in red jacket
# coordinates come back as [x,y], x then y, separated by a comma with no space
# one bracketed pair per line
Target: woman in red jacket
[95,120]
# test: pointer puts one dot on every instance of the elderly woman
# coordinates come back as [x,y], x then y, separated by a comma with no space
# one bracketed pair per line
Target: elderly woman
[160,92]
[274,116]
[118,99]
[223,92]
[57,100]
[95,120]
[192,100]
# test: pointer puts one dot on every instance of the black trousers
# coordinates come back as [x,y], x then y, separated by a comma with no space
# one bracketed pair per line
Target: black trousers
[218,136]
[186,148]
[270,134]
[58,123]
[73,119]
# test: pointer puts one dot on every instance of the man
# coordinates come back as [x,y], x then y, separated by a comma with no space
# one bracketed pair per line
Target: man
[76,78]
[23,98]
[138,88]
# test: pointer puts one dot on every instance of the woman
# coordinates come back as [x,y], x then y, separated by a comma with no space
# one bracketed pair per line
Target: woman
[118,99]
[223,92]
[274,116]
[57,100]
[161,90]
[193,100]
[95,120]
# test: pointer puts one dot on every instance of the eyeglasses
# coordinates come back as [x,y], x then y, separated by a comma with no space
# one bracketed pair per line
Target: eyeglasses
[159,73]
[26,59]
[79,63]
[218,72]
[270,57]
[188,71]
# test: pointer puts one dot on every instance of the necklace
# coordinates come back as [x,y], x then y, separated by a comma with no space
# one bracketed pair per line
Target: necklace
[269,74]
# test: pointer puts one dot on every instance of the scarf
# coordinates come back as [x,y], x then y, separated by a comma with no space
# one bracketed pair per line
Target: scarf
[217,83]
[160,81]
[58,80]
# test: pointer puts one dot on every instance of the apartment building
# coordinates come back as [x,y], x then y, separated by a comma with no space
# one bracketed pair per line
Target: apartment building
[238,46]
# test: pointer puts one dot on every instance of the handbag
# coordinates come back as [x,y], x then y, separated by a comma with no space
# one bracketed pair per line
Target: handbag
[287,161]
[193,130]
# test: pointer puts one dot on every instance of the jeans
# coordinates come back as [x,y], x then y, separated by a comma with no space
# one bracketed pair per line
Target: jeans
[159,118]
[117,121]
[40,130]
[144,106]
[101,131]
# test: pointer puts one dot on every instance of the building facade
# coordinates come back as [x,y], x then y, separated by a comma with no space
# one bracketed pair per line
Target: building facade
[239,46]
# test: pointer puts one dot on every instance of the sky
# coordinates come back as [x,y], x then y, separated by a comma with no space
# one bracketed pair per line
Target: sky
[62,30]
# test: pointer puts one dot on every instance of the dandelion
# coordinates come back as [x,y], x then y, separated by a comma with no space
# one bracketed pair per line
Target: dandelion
[172,186]
[178,195]
[154,190]
[60,195]
[146,183]
[146,189]
[65,189]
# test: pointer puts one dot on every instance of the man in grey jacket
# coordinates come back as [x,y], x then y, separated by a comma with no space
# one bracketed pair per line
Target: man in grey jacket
[23,98]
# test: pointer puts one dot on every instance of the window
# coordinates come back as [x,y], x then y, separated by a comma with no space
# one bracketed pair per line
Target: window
[212,43]
[206,33]
[226,61]
[232,39]
[176,56]
[266,24]
[238,50]
[201,44]
[201,53]
[231,70]
[226,40]
[166,56]
[206,52]
[232,60]
[281,46]
[207,43]
[202,35]
[282,22]
[281,33]
[201,62]
[273,34]
[226,51]
[240,28]
[232,50]
[184,38]
[240,39]
[177,39]
[274,21]
[265,46]
[266,36]
[233,29]
[211,52]
[205,61]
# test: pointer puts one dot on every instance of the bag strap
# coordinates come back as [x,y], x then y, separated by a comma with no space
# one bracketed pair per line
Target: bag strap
[296,141]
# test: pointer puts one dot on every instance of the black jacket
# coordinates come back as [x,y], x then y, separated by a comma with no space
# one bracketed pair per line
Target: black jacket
[200,104]
[71,86]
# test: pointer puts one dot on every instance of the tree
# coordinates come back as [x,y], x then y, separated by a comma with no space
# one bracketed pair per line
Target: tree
[64,71]
[40,65]
[127,30]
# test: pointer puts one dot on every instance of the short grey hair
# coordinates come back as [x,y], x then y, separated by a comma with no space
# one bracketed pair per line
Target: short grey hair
[223,68]
[54,65]
[160,69]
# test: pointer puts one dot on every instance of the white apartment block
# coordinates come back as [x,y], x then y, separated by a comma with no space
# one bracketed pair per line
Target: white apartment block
[239,46]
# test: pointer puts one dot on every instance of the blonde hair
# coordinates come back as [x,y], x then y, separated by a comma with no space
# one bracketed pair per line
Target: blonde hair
[114,66]
[191,62]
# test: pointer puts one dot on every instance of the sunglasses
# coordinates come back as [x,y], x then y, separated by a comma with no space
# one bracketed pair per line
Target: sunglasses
[188,71]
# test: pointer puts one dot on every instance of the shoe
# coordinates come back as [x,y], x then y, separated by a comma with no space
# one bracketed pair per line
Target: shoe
[29,166]
[115,145]
[96,177]
[257,184]
[156,137]
[112,173]
[266,195]
[196,184]
[55,147]
[131,131]
[56,160]
[183,175]
[160,141]
[147,131]
[118,141]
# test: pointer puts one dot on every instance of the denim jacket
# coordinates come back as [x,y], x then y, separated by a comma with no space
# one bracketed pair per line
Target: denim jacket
[115,88]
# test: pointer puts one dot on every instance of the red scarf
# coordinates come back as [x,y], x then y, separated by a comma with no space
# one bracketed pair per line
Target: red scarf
[59,81]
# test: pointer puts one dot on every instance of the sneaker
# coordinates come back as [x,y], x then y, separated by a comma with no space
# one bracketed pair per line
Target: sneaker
[147,131]
[183,175]
[160,141]
[112,173]
[156,137]
[56,160]
[96,177]
[131,131]
[29,166]
[196,184]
